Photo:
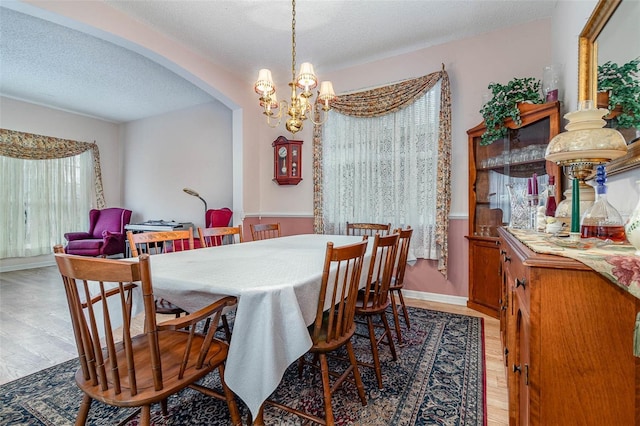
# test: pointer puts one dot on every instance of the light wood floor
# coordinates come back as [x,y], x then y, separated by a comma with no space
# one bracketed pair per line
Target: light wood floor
[35,333]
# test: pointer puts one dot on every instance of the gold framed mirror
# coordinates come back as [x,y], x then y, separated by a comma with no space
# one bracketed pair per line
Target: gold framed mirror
[590,37]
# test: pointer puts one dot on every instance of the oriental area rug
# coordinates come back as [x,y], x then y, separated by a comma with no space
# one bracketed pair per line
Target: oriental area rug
[438,379]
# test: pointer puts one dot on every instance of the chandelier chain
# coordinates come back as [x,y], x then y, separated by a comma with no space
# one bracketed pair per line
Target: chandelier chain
[293,41]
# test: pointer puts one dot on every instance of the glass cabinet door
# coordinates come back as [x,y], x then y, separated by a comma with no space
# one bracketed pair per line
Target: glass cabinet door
[499,175]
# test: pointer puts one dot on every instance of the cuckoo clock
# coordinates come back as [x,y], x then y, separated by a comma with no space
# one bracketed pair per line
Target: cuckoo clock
[287,161]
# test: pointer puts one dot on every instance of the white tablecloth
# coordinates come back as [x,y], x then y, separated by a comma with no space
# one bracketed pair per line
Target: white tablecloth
[277,283]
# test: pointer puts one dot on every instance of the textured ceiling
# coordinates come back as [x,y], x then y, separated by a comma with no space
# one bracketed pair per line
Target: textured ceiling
[50,64]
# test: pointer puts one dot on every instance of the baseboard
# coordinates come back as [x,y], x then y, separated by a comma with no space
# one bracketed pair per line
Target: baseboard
[32,265]
[435,297]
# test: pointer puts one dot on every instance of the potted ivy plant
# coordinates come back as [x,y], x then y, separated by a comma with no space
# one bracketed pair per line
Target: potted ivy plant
[504,104]
[622,84]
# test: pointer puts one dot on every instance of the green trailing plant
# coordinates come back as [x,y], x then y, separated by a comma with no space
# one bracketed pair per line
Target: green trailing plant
[623,85]
[504,104]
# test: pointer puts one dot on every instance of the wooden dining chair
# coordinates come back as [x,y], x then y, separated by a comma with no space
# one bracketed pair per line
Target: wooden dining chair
[397,280]
[263,231]
[221,235]
[136,369]
[369,229]
[161,242]
[334,324]
[373,300]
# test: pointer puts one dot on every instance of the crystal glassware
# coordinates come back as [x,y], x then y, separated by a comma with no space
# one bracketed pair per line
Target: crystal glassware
[519,214]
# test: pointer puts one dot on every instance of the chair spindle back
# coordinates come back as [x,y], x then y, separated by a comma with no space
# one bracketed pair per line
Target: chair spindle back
[160,242]
[383,260]
[339,292]
[263,231]
[403,253]
[100,294]
[218,236]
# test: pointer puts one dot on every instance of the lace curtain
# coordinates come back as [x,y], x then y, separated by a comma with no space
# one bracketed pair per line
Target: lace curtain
[47,186]
[384,156]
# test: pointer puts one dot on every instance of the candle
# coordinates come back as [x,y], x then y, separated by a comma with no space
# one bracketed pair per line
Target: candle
[529,186]
[575,206]
[535,184]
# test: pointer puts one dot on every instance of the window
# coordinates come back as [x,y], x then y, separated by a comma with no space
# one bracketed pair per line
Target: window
[384,156]
[384,170]
[41,200]
[47,187]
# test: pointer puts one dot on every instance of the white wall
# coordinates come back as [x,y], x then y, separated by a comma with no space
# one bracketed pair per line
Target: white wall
[188,148]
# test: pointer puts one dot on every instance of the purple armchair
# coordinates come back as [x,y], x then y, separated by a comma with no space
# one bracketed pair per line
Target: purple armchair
[106,234]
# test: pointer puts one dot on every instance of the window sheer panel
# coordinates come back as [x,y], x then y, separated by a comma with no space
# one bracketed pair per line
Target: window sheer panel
[43,199]
[12,213]
[384,169]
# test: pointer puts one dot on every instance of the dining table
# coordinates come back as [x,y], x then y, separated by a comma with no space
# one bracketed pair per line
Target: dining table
[277,284]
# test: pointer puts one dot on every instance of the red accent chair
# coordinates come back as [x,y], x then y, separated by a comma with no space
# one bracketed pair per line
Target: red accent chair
[106,235]
[214,218]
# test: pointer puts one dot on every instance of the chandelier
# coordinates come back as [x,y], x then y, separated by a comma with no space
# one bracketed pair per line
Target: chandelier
[301,104]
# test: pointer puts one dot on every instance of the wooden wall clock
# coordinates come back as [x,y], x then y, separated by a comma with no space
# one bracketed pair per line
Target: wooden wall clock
[287,161]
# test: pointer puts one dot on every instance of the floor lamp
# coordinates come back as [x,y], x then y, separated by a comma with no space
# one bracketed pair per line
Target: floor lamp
[195,194]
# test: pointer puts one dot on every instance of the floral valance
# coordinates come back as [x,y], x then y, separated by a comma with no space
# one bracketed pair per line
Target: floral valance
[29,146]
[386,99]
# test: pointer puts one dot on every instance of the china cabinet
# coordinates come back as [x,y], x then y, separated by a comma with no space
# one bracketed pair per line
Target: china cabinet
[494,170]
[567,340]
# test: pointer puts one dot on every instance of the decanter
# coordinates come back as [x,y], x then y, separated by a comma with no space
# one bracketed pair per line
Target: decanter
[602,220]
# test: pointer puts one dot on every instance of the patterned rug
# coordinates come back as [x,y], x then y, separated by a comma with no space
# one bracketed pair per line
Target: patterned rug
[438,379]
